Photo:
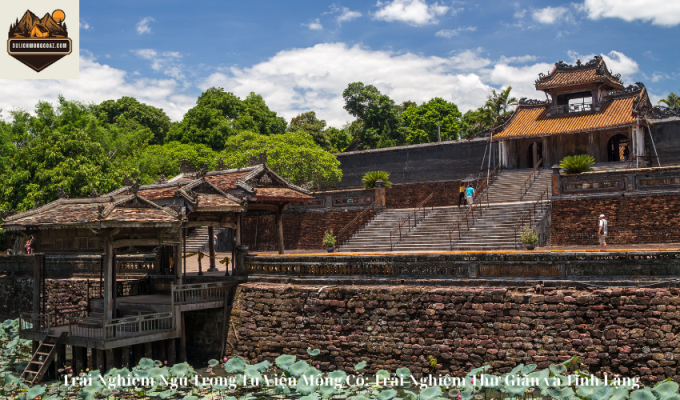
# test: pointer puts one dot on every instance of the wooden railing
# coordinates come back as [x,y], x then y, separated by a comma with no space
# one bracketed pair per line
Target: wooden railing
[126,327]
[529,181]
[411,218]
[43,322]
[469,218]
[367,209]
[200,292]
[533,213]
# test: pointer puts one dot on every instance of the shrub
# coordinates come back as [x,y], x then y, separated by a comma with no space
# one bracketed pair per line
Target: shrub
[577,164]
[328,239]
[528,236]
[370,179]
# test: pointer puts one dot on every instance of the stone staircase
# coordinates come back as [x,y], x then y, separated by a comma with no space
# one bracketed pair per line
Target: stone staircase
[375,236]
[197,240]
[506,188]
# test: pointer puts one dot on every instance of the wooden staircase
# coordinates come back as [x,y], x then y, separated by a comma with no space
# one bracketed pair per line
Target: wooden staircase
[42,358]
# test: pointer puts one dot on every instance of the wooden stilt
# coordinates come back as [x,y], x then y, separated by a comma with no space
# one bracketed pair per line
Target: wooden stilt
[60,363]
[117,354]
[101,360]
[183,343]
[172,352]
[73,358]
[34,346]
[92,361]
[211,248]
[138,353]
[125,357]
[162,357]
[148,350]
[110,360]
[80,360]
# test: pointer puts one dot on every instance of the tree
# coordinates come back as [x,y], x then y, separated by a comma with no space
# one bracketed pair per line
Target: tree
[405,106]
[425,120]
[340,139]
[165,159]
[308,122]
[382,124]
[474,122]
[294,156]
[672,101]
[129,113]
[498,104]
[219,115]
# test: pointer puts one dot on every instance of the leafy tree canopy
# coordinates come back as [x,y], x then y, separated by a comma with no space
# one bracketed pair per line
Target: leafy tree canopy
[219,115]
[294,155]
[424,120]
[308,122]
[165,159]
[671,101]
[129,113]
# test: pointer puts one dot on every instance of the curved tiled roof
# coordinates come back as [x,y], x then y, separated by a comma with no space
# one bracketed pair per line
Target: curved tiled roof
[534,121]
[563,75]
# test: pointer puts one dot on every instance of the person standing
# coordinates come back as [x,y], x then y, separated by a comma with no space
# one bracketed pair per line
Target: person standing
[469,195]
[602,232]
[461,194]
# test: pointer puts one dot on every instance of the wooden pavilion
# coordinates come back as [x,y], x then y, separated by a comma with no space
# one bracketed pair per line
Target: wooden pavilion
[141,218]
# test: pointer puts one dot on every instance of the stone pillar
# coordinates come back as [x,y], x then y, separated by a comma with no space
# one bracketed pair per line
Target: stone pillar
[592,151]
[211,248]
[237,234]
[380,193]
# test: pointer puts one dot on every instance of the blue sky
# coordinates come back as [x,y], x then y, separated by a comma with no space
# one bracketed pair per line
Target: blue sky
[300,55]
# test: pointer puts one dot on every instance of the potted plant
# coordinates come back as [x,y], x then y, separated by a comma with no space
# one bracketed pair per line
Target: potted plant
[329,240]
[529,237]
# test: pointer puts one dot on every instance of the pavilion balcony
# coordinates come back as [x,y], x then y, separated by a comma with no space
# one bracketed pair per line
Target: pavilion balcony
[578,108]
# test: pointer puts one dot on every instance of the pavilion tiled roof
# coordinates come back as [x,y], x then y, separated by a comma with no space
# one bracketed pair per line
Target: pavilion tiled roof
[563,75]
[534,121]
[279,194]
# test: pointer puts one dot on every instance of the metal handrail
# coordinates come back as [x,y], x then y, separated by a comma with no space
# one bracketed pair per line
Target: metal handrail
[523,191]
[413,214]
[200,292]
[370,207]
[469,218]
[531,213]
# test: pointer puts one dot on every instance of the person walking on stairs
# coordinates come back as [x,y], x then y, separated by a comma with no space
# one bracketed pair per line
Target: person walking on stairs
[602,232]
[469,195]
[461,194]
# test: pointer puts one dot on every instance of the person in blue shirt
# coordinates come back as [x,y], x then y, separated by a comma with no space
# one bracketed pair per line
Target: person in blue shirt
[469,195]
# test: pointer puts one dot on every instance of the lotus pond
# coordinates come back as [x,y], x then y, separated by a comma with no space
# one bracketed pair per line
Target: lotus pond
[289,378]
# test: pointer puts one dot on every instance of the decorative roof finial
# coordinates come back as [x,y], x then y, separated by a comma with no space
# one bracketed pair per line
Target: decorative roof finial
[162,179]
[127,181]
[61,193]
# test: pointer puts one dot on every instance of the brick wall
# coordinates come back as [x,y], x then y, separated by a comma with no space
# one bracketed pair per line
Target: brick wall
[409,196]
[301,230]
[631,220]
[628,331]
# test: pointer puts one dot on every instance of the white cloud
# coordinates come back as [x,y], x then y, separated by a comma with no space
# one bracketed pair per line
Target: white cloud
[98,82]
[658,76]
[660,12]
[412,12]
[520,78]
[449,33]
[84,25]
[143,25]
[314,25]
[517,59]
[617,63]
[550,15]
[347,15]
[166,63]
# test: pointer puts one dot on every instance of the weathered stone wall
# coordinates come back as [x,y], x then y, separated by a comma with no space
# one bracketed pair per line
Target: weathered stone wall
[301,230]
[628,331]
[430,162]
[631,220]
[16,296]
[667,141]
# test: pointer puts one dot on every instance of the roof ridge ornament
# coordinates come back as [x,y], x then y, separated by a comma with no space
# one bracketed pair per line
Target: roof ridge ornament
[94,194]
[201,173]
[7,213]
[186,167]
[61,193]
[220,165]
[127,181]
[162,179]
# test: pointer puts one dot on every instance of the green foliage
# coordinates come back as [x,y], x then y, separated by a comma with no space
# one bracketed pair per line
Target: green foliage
[165,159]
[328,240]
[528,236]
[294,156]
[371,178]
[577,164]
[131,115]
[422,121]
[309,123]
[431,361]
[671,101]
[219,115]
[340,139]
[492,113]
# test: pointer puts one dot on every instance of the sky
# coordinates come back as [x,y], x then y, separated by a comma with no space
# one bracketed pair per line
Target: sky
[301,55]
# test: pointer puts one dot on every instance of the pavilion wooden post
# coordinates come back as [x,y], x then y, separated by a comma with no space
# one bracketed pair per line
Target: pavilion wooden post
[37,279]
[172,352]
[101,360]
[110,359]
[183,343]
[279,224]
[211,248]
[178,258]
[108,278]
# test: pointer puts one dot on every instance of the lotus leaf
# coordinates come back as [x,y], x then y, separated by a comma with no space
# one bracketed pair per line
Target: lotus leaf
[558,369]
[314,352]
[213,362]
[515,390]
[466,394]
[665,389]
[570,361]
[35,391]
[190,398]
[621,393]
[298,368]
[166,394]
[235,364]
[284,361]
[252,374]
[312,396]
[263,366]
[326,391]
[281,389]
[145,363]
[411,395]
[516,370]
[603,393]
[642,394]
[403,373]
[180,370]
[361,365]
[359,397]
[383,374]
[338,375]
[430,393]
[304,387]
[387,394]
[528,369]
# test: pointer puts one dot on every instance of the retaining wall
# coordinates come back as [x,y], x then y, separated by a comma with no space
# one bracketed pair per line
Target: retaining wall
[627,331]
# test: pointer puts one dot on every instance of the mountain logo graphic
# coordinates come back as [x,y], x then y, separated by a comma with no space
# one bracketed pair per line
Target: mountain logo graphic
[39,42]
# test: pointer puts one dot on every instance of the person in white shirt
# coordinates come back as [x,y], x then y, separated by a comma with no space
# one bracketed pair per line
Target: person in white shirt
[602,232]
